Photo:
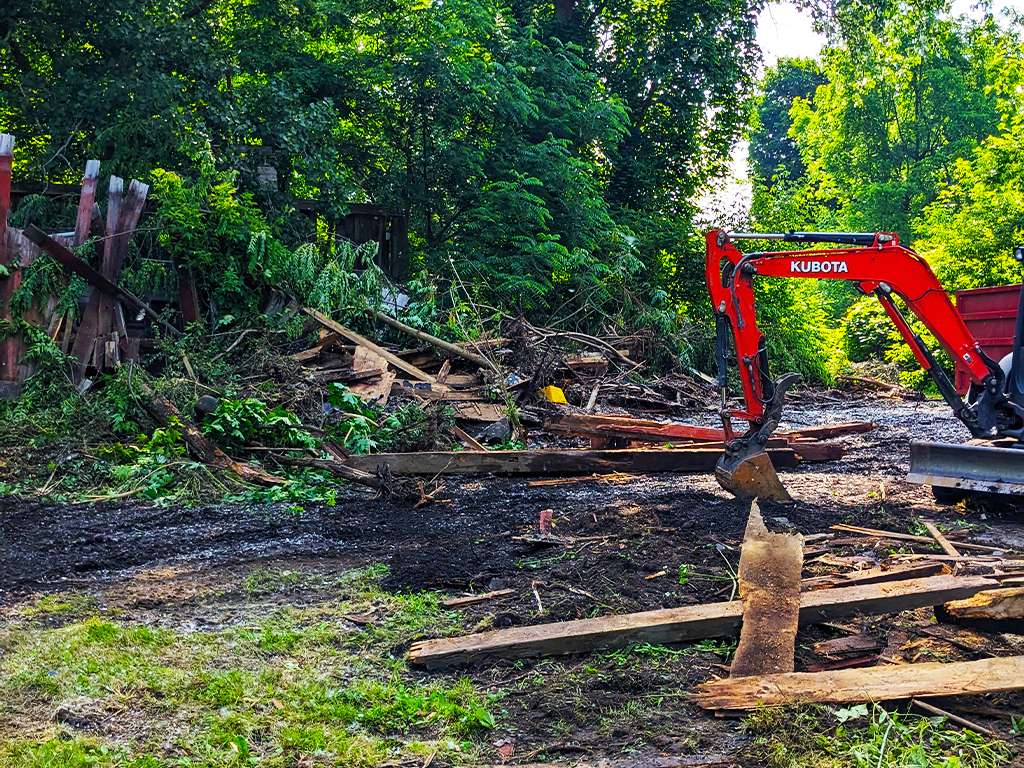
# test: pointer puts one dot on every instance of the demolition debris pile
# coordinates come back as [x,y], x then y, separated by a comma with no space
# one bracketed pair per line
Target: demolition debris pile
[294,399]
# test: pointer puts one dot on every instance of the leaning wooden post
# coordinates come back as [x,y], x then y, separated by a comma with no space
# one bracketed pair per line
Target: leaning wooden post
[83,220]
[10,346]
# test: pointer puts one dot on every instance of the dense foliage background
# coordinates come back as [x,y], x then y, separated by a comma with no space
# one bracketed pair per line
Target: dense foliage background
[549,153]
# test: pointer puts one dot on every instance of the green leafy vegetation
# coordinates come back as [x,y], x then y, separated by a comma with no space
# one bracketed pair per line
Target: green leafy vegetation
[866,737]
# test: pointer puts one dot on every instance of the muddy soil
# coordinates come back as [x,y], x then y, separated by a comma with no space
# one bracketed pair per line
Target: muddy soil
[164,565]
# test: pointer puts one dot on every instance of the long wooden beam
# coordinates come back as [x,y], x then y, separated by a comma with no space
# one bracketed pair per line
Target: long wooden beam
[691,622]
[447,346]
[356,338]
[548,462]
[884,683]
[669,431]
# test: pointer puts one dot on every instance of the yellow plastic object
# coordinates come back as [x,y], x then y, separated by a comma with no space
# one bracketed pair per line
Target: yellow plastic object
[554,394]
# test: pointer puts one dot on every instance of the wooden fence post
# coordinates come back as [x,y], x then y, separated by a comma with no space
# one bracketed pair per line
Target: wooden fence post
[10,347]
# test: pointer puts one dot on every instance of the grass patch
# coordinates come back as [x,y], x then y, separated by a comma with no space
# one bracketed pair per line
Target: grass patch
[60,606]
[865,737]
[300,686]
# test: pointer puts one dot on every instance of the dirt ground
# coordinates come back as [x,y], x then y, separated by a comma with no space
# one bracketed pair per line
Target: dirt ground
[174,567]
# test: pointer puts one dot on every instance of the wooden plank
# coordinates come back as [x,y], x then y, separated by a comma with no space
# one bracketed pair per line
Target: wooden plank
[362,341]
[10,347]
[375,391]
[455,602]
[548,462]
[188,299]
[451,349]
[100,302]
[877,575]
[943,542]
[474,411]
[629,428]
[86,199]
[467,439]
[912,537]
[847,686]
[406,388]
[668,431]
[691,622]
[769,583]
[829,430]
[639,431]
[813,450]
[847,646]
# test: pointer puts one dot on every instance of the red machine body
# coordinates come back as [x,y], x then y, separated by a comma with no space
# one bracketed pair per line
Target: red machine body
[991,315]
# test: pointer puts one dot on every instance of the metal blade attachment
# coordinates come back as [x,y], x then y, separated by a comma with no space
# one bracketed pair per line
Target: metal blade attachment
[745,470]
[985,468]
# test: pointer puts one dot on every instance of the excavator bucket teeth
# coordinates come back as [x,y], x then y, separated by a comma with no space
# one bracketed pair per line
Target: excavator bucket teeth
[751,476]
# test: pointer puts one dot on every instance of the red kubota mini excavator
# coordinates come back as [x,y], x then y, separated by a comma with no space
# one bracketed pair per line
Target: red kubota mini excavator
[877,264]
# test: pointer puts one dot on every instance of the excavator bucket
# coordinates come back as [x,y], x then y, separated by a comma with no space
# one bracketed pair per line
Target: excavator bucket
[751,476]
[745,470]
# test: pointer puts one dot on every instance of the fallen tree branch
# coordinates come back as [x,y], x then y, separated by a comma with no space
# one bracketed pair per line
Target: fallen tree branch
[166,413]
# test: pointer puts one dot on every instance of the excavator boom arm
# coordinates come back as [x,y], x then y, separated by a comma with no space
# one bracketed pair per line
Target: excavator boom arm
[878,264]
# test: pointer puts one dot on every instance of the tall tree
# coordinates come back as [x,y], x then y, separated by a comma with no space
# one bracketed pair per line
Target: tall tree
[774,154]
[899,107]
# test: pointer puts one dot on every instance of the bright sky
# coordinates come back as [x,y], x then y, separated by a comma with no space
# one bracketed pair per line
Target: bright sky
[785,30]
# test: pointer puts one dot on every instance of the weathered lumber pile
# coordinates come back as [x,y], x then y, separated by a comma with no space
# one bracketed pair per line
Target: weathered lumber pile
[685,624]
[775,600]
[475,381]
[105,334]
[520,386]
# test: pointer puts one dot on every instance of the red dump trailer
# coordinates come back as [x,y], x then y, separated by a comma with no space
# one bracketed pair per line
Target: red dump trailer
[991,315]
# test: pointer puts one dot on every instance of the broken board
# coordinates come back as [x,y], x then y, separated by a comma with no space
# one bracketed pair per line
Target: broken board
[550,462]
[769,582]
[847,686]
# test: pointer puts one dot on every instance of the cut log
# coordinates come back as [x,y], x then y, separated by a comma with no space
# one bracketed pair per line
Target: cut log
[362,341]
[551,462]
[769,583]
[692,622]
[847,686]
